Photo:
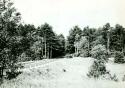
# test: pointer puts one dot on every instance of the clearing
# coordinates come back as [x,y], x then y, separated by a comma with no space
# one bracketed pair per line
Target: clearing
[64,73]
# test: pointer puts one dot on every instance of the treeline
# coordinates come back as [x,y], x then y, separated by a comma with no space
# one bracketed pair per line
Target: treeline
[41,42]
[23,42]
[81,41]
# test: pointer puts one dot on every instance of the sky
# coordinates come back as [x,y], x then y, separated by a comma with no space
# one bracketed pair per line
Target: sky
[62,15]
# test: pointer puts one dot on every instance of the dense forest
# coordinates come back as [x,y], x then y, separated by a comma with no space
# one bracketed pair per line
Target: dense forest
[21,42]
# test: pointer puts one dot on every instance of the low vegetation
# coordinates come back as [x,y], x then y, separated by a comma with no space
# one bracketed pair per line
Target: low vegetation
[119,57]
[98,67]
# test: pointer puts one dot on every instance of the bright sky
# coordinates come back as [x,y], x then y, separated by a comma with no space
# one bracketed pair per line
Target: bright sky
[62,15]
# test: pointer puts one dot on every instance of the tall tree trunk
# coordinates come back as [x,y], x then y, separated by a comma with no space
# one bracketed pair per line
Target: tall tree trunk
[45,48]
[77,49]
[108,42]
[42,48]
[42,51]
[48,53]
[88,46]
[51,52]
[108,45]
[124,48]
[122,42]
[1,71]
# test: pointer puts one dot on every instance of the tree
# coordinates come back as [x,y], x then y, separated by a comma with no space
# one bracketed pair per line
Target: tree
[106,36]
[83,46]
[62,44]
[71,39]
[54,45]
[89,33]
[76,43]
[28,37]
[48,35]
[9,41]
[117,38]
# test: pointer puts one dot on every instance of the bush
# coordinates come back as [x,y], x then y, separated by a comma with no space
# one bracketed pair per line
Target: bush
[76,54]
[99,52]
[119,57]
[109,76]
[11,75]
[84,53]
[114,78]
[12,71]
[98,67]
[69,56]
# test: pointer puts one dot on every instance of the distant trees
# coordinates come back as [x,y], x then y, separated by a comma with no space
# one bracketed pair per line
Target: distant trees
[41,42]
[61,40]
[118,38]
[53,43]
[82,41]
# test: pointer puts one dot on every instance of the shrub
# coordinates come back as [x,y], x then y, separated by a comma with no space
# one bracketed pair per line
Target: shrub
[99,52]
[12,71]
[119,57]
[68,56]
[114,78]
[109,76]
[11,75]
[98,67]
[84,53]
[76,54]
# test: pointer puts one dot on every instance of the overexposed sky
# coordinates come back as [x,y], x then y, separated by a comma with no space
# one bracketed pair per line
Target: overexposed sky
[62,15]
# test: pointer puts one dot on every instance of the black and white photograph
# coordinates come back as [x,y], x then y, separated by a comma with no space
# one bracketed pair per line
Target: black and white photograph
[62,43]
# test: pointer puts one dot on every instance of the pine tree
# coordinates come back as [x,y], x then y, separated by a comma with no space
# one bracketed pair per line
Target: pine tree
[9,40]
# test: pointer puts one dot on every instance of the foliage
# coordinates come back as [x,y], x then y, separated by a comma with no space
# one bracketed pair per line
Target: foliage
[113,38]
[69,56]
[98,67]
[71,39]
[99,52]
[83,47]
[10,40]
[119,57]
[105,31]
[53,44]
[117,38]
